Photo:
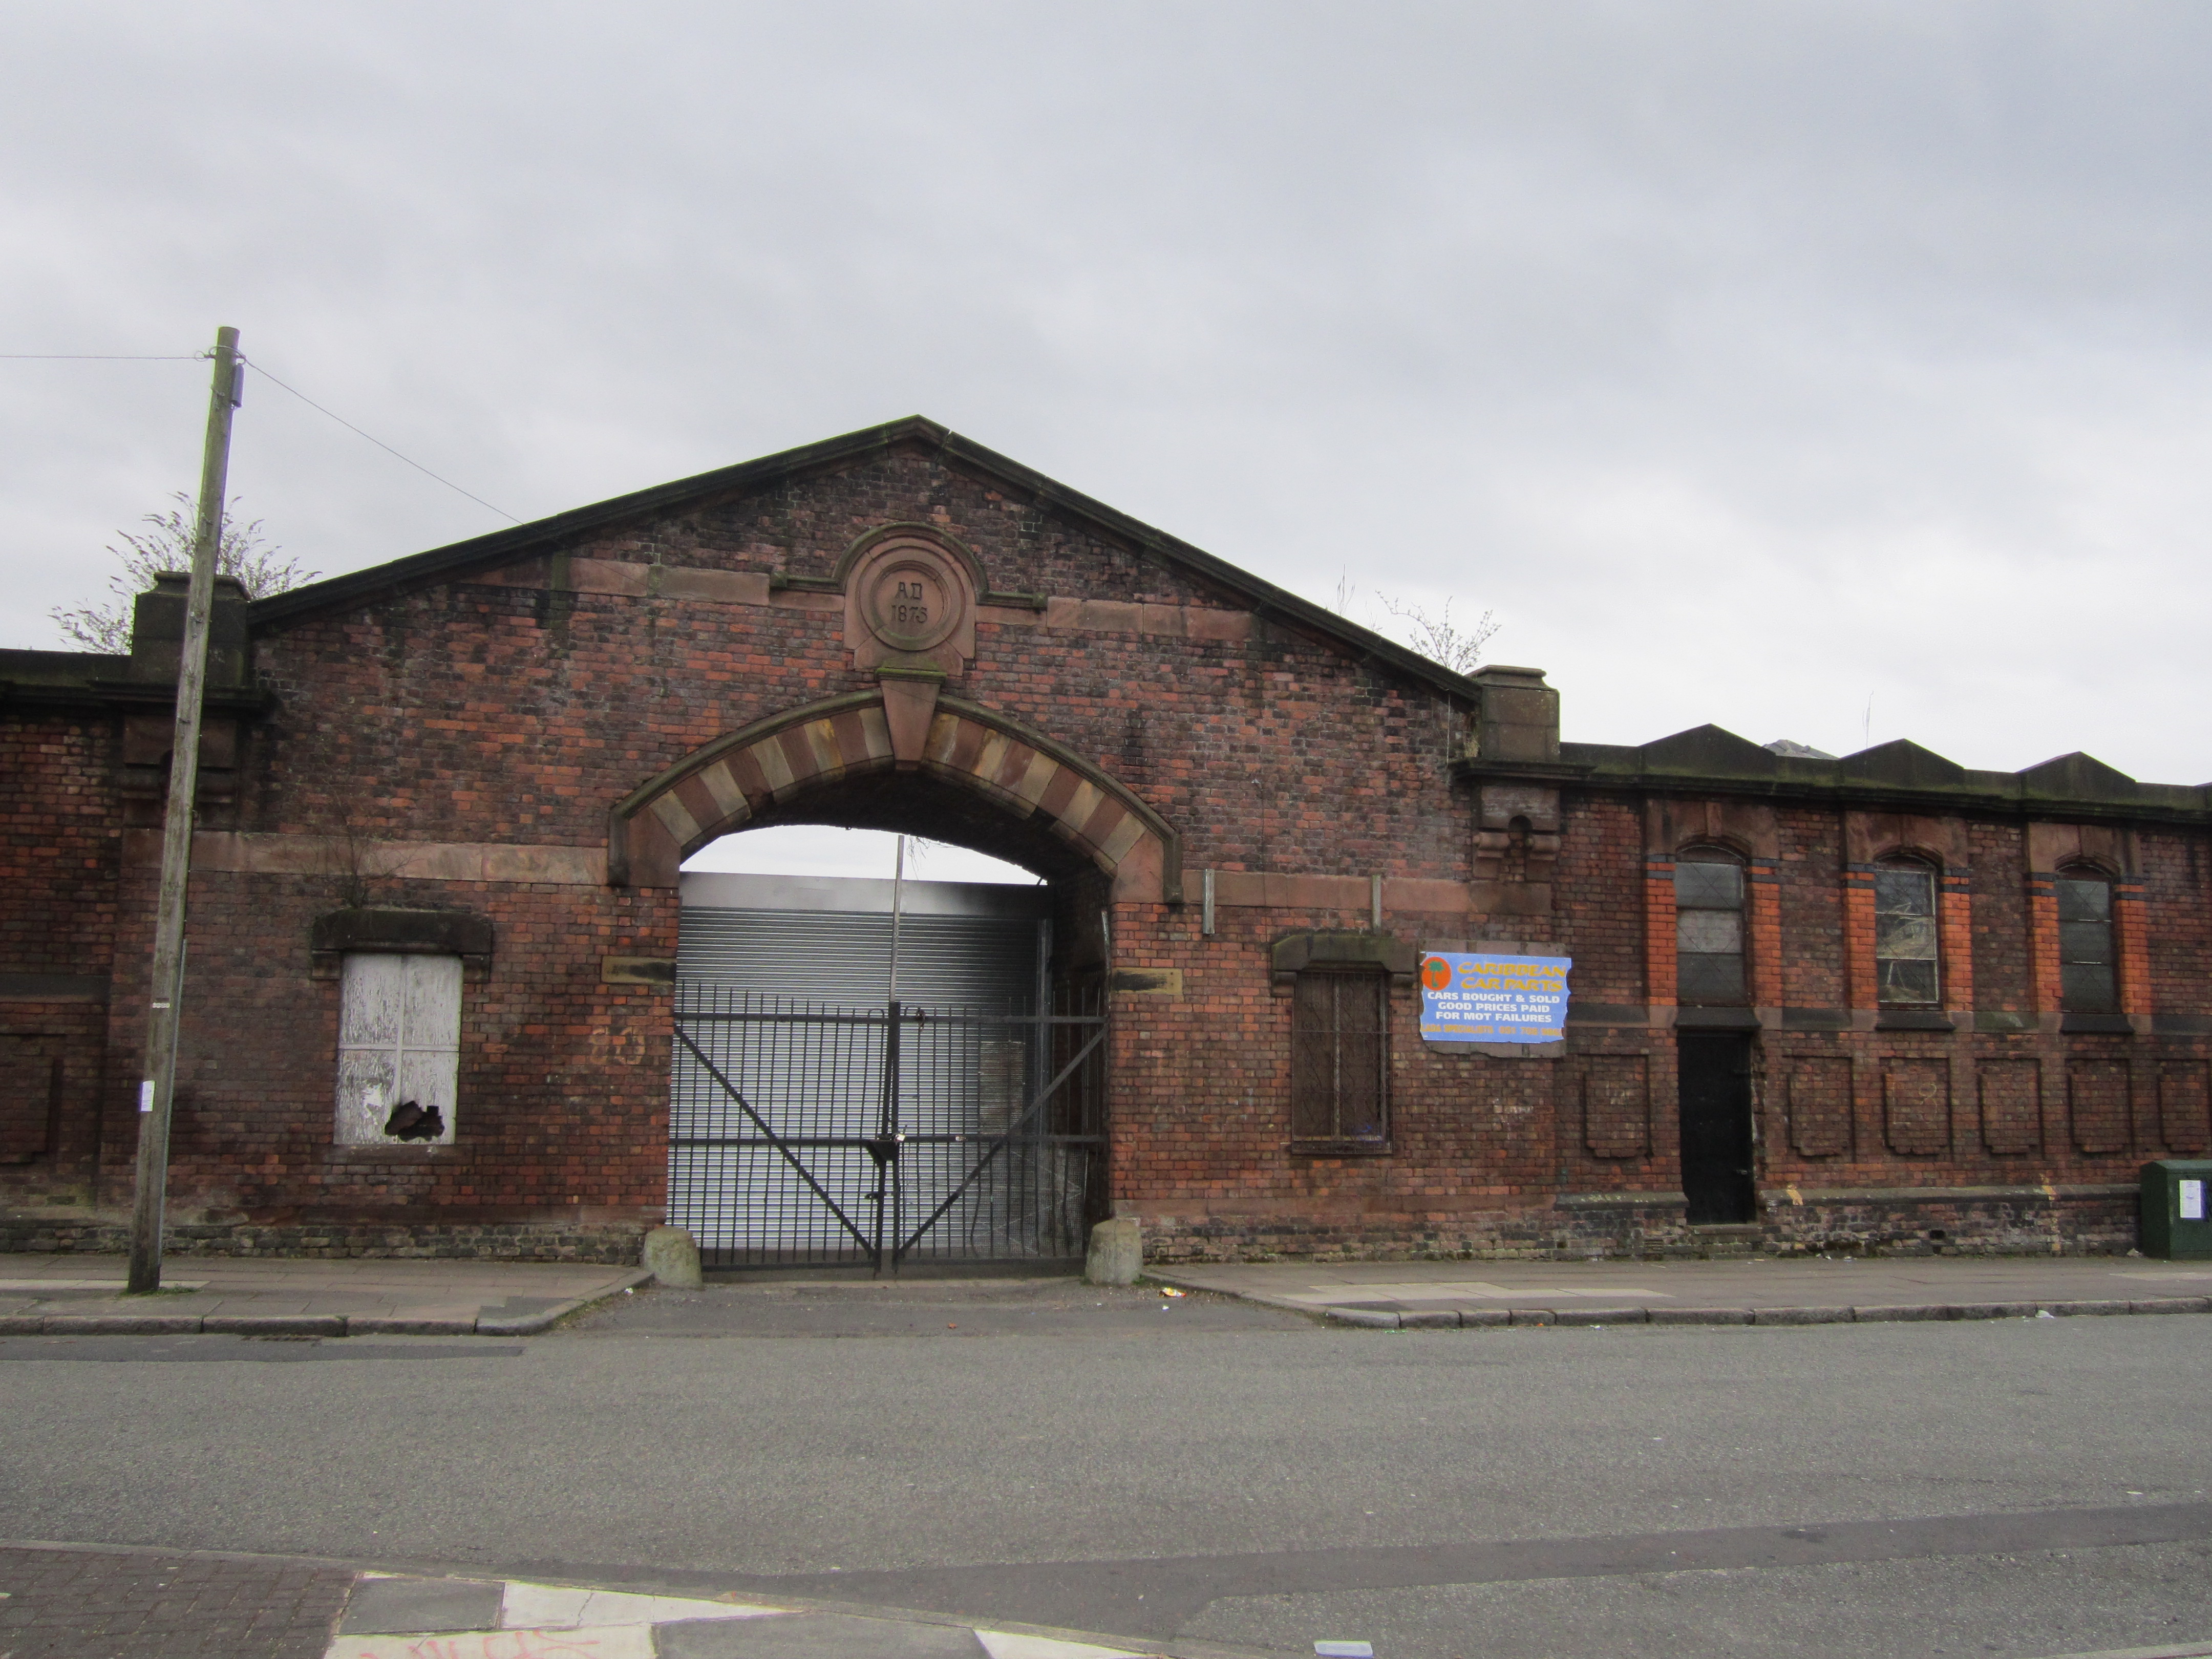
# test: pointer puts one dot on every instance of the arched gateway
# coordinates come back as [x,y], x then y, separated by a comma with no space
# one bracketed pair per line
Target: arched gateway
[822,1115]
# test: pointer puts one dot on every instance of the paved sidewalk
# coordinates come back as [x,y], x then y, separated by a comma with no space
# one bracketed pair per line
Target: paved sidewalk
[89,1601]
[83,1294]
[1756,1290]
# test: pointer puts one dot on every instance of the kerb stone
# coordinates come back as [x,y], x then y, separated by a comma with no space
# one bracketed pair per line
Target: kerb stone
[275,1324]
[1602,1317]
[1904,1310]
[1368,1316]
[122,1324]
[1801,1316]
[1700,1315]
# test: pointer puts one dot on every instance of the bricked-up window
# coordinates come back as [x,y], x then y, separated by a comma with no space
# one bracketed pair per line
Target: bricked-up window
[1905,939]
[1340,1060]
[399,1038]
[2086,979]
[1708,927]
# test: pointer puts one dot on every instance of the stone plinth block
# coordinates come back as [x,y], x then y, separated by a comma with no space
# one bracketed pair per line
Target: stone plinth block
[671,1255]
[1116,1254]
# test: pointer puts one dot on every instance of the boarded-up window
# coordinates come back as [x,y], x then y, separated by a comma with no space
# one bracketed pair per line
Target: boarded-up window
[1707,928]
[2087,981]
[1820,1106]
[2096,1101]
[399,1033]
[1917,1106]
[1339,1061]
[1905,947]
[30,1094]
[1616,1107]
[2182,1106]
[2012,1105]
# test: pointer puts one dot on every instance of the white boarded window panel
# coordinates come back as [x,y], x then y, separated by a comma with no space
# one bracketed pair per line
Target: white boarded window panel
[399,1027]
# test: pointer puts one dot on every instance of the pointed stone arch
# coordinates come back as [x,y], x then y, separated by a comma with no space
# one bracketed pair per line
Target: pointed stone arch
[723,785]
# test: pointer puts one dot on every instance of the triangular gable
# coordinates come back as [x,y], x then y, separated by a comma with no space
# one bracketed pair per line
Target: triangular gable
[463,559]
[1709,750]
[1902,764]
[2076,776]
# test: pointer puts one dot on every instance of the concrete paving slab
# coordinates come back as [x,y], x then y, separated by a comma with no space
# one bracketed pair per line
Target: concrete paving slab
[385,1606]
[818,1636]
[433,1297]
[47,1286]
[1767,1290]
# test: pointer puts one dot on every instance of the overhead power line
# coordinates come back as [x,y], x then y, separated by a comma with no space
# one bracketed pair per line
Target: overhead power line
[200,357]
[379,442]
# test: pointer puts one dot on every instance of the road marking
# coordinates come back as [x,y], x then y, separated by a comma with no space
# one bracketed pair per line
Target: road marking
[560,1606]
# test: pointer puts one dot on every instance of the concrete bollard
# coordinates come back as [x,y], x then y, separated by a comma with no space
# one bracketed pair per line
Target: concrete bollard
[673,1256]
[1117,1252]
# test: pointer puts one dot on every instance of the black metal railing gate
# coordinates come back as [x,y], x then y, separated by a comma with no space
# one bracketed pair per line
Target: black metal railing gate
[804,1133]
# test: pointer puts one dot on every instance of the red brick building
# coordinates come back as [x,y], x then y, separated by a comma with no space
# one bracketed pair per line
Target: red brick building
[1881,1000]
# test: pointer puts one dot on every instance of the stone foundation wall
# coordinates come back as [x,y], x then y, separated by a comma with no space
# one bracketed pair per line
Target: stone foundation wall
[2085,1224]
[614,1245]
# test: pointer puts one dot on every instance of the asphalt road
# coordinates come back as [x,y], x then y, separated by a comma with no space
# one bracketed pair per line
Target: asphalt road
[1212,1472]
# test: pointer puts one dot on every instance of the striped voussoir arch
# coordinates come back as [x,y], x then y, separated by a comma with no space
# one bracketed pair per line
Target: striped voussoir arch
[725,784]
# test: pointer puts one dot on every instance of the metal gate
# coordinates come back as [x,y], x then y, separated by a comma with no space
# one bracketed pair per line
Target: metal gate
[810,1134]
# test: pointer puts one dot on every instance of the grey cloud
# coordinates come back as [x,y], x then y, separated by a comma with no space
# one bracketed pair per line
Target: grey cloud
[1748,359]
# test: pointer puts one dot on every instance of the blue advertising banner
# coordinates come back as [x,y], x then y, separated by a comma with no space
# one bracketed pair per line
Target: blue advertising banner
[1467,998]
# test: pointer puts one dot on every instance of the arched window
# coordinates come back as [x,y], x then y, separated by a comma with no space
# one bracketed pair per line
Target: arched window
[1708,927]
[2088,982]
[1906,954]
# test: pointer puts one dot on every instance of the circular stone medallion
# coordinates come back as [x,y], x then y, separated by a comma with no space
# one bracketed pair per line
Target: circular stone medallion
[910,600]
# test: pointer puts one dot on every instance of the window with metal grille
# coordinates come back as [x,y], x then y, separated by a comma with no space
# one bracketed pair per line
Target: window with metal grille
[2087,981]
[1340,1060]
[399,1038]
[1707,928]
[1905,937]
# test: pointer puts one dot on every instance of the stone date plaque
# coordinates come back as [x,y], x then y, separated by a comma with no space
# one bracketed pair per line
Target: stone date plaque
[911,604]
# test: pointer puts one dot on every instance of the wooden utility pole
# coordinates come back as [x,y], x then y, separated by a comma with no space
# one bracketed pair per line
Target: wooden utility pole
[157,1087]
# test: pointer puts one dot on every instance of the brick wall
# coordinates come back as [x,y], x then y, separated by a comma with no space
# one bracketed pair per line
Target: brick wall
[457,744]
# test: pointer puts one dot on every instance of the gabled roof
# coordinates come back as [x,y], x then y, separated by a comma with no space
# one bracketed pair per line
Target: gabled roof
[563,529]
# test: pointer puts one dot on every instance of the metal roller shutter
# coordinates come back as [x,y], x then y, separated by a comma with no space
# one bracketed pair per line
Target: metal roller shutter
[988,963]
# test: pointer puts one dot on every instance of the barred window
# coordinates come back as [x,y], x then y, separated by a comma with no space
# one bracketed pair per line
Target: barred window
[1340,1060]
[2087,981]
[1707,928]
[1905,934]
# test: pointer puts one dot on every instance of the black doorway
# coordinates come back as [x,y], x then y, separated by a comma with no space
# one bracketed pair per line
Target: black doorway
[1716,1105]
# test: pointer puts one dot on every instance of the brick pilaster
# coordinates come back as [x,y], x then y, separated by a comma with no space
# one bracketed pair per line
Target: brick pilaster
[1762,925]
[1861,984]
[2043,977]
[1955,932]
[1659,932]
[2131,947]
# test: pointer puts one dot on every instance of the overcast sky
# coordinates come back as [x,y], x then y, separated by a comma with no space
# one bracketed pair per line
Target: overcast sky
[1836,372]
